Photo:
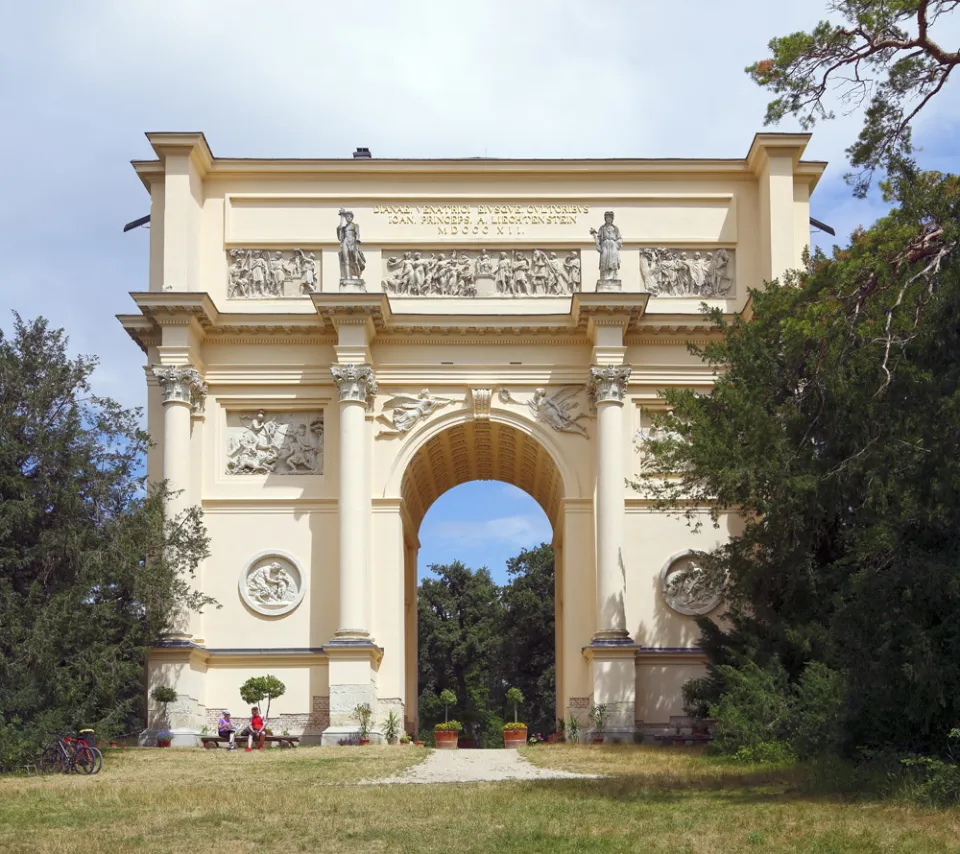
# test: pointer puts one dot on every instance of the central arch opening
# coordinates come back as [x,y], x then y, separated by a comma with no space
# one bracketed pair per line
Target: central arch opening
[473,626]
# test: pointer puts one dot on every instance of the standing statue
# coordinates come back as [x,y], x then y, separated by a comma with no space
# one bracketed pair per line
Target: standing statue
[352,261]
[608,242]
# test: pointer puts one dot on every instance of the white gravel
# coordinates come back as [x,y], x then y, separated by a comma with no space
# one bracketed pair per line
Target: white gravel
[476,766]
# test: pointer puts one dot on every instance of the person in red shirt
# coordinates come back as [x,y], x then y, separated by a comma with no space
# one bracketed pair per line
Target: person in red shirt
[256,729]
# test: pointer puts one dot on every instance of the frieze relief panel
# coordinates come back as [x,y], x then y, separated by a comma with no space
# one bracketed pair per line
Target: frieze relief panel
[687,273]
[271,273]
[483,273]
[282,443]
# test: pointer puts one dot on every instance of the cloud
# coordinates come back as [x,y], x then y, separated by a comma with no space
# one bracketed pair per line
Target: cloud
[515,532]
[317,78]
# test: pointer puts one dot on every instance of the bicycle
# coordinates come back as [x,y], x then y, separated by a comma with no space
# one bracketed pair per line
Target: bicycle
[70,754]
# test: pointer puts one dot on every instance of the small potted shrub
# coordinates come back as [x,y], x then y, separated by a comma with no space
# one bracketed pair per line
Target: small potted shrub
[598,712]
[678,738]
[391,728]
[164,694]
[515,733]
[572,727]
[362,714]
[405,739]
[447,734]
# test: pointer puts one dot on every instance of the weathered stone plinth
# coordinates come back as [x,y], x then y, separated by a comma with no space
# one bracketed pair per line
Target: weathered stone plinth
[353,286]
[605,286]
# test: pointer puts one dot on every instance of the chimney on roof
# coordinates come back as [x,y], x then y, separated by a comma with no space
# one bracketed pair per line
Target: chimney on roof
[362,154]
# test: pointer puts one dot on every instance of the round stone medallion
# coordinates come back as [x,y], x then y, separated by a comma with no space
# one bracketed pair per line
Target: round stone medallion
[685,588]
[272,584]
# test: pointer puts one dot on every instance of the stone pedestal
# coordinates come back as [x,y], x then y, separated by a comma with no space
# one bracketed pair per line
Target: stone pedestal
[352,671]
[613,673]
[609,286]
[353,286]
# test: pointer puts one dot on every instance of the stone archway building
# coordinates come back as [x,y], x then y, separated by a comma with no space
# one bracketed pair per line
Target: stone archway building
[332,344]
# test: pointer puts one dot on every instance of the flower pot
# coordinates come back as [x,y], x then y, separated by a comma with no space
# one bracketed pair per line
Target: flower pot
[513,738]
[418,744]
[364,741]
[679,742]
[393,740]
[446,739]
[598,740]
[163,742]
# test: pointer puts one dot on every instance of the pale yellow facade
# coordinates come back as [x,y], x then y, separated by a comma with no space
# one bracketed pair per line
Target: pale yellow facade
[315,419]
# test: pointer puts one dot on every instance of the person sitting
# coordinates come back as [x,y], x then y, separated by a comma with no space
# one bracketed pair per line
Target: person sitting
[257,729]
[226,729]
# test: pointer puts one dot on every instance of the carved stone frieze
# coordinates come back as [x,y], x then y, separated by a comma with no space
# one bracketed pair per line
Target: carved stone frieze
[354,381]
[182,384]
[406,411]
[272,584]
[683,273]
[271,273]
[288,443]
[685,586]
[559,410]
[501,273]
[608,383]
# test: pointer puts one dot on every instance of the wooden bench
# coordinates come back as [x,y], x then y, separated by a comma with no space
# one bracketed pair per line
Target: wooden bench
[214,741]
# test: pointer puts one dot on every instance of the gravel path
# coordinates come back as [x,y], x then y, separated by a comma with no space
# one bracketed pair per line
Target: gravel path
[476,766]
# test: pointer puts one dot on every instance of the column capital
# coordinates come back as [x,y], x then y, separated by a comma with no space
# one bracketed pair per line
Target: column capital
[181,384]
[608,383]
[355,382]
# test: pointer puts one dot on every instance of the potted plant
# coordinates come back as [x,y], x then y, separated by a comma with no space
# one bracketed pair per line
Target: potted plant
[391,728]
[362,714]
[572,728]
[678,738]
[164,694]
[514,734]
[447,734]
[405,739]
[598,712]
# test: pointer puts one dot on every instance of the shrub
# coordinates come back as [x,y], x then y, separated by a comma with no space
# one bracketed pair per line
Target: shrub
[448,726]
[930,782]
[818,711]
[765,752]
[514,727]
[754,709]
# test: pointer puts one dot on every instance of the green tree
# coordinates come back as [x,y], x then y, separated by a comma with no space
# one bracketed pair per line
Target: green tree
[259,688]
[528,635]
[833,431]
[883,55]
[458,644]
[91,572]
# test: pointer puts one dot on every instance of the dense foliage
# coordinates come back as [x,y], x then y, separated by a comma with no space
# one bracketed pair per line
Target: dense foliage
[833,432]
[479,640]
[882,54]
[91,575]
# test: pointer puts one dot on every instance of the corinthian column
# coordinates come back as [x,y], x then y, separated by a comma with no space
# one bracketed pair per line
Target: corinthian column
[183,393]
[356,384]
[607,386]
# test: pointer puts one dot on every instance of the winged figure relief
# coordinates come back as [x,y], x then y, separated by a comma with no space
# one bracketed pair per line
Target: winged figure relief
[405,411]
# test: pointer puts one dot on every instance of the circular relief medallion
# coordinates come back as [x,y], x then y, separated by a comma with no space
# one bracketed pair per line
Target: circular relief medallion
[685,587]
[272,584]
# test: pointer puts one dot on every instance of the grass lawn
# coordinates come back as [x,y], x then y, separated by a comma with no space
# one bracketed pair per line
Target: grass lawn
[654,800]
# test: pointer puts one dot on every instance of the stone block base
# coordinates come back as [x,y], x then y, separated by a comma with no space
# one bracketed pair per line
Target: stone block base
[354,286]
[609,286]
[339,736]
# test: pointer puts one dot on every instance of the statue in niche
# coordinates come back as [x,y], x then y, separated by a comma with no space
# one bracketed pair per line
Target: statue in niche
[406,411]
[352,262]
[558,410]
[609,243]
[483,265]
[271,446]
[271,584]
[677,273]
[572,265]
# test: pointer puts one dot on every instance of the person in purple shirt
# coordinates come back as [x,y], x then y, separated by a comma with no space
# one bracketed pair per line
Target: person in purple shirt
[226,730]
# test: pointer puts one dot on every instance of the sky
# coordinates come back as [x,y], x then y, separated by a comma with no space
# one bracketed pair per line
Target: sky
[80,83]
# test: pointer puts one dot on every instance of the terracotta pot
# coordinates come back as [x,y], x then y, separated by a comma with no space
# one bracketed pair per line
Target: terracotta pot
[598,740]
[418,744]
[513,738]
[679,742]
[446,739]
[165,742]
[394,740]
[364,741]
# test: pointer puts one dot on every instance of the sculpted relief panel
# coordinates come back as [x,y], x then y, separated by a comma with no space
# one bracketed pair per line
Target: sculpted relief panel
[271,274]
[276,443]
[685,273]
[272,584]
[487,273]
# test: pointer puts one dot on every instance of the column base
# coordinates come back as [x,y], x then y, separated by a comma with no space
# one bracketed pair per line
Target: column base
[613,671]
[612,637]
[353,665]
[357,286]
[609,286]
[179,737]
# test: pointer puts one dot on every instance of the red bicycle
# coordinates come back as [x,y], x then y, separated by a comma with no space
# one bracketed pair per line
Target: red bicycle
[71,753]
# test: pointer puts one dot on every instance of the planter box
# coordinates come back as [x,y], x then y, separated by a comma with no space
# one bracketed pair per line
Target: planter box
[446,739]
[513,738]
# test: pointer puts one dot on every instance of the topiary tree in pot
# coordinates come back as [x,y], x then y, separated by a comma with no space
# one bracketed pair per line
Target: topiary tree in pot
[164,694]
[515,733]
[447,734]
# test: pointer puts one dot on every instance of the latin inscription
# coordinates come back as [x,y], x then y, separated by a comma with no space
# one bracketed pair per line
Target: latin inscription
[495,220]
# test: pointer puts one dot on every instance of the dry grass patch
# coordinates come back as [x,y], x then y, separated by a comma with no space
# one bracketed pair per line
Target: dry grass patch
[194,802]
